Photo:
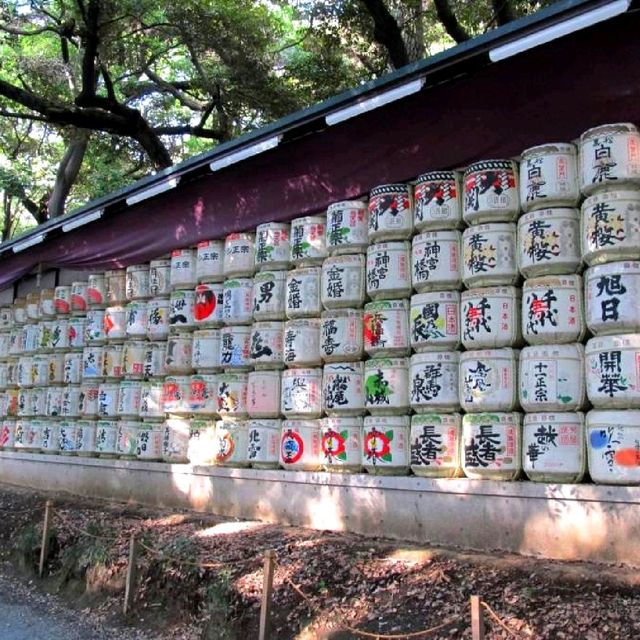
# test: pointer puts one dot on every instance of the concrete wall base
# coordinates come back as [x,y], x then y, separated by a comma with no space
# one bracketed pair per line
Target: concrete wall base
[570,522]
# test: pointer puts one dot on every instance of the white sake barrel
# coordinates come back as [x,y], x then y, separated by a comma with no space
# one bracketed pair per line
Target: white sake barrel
[301,395]
[203,394]
[239,255]
[343,281]
[492,445]
[549,176]
[47,308]
[209,261]
[609,156]
[10,402]
[44,336]
[434,381]
[390,212]
[20,311]
[133,359]
[25,371]
[160,277]
[183,269]
[129,398]
[551,378]
[611,227]
[152,399]
[235,347]
[553,447]
[38,399]
[62,300]
[208,305]
[341,335]
[60,334]
[438,201]
[263,451]
[489,255]
[32,439]
[205,350]
[549,242]
[269,295]
[389,270]
[385,445]
[488,380]
[154,360]
[301,343]
[308,241]
[181,309]
[26,341]
[24,403]
[92,361]
[435,445]
[53,401]
[12,372]
[72,373]
[386,328]
[613,371]
[86,437]
[435,260]
[89,394]
[158,313]
[6,317]
[150,438]
[68,437]
[108,399]
[552,310]
[341,445]
[33,305]
[612,447]
[7,433]
[300,445]
[302,296]
[386,385]
[343,389]
[179,353]
[128,435]
[20,435]
[175,440]
[203,444]
[237,305]
[94,330]
[5,341]
[264,389]
[79,298]
[76,328]
[434,320]
[233,443]
[272,246]
[71,401]
[267,343]
[137,282]
[612,294]
[347,227]
[116,283]
[50,437]
[96,290]
[4,372]
[232,395]
[113,361]
[175,394]
[136,320]
[491,191]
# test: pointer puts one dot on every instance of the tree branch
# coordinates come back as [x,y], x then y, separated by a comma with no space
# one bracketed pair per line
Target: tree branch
[503,11]
[170,88]
[387,32]
[449,21]
[197,131]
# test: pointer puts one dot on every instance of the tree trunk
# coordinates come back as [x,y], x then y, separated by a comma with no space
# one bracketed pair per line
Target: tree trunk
[387,32]
[7,217]
[503,11]
[449,21]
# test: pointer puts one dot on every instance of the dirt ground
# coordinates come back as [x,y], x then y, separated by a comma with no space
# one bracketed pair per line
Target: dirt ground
[327,585]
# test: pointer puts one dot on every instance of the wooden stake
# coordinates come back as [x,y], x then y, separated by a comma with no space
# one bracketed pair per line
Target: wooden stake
[46,526]
[267,590]
[130,584]
[477,619]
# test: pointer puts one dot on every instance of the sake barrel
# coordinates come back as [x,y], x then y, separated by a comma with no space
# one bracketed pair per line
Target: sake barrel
[492,443]
[232,395]
[434,381]
[136,320]
[203,394]
[175,394]
[96,290]
[5,342]
[44,337]
[609,156]
[343,281]
[239,255]
[12,372]
[235,347]
[76,328]
[68,437]
[435,445]
[158,313]
[79,298]
[25,371]
[128,437]
[208,306]
[181,309]
[386,386]
[341,335]
[155,356]
[389,270]
[488,380]
[86,438]
[179,353]
[343,389]
[263,451]
[129,398]
[20,434]
[301,395]
[611,227]
[489,255]
[59,339]
[552,378]
[269,295]
[264,388]
[20,311]
[267,342]
[553,447]
[137,282]
[4,370]
[272,246]
[152,399]
[47,308]
[203,444]
[386,328]
[94,331]
[390,212]
[70,407]
[108,399]
[50,437]
[62,300]
[160,278]
[205,350]
[438,203]
[385,445]
[434,320]
[301,346]
[302,296]
[6,317]
[549,176]
[347,227]
[72,373]
[175,440]
[552,310]
[7,433]
[18,343]
[33,305]
[612,294]
[183,269]
[435,260]
[300,445]
[89,393]
[113,361]
[549,242]
[491,192]
[233,443]
[25,405]
[341,445]
[134,357]
[116,282]
[308,241]
[38,399]
[237,307]
[10,402]
[613,445]
[32,439]
[613,371]
[92,361]
[150,436]
[209,261]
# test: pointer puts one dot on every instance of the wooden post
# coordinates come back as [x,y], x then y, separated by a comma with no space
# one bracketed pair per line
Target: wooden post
[477,619]
[130,584]
[267,590]
[46,526]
